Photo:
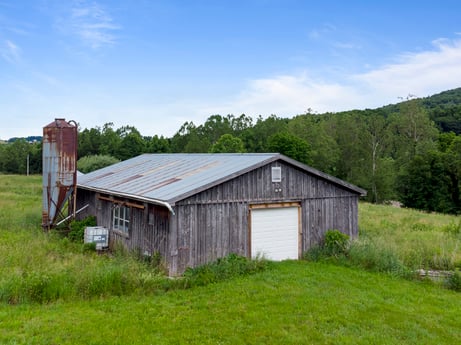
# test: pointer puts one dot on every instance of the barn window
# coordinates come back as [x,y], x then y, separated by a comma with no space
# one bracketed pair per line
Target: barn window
[121,218]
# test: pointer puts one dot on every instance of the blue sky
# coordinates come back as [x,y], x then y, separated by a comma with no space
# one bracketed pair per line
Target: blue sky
[156,64]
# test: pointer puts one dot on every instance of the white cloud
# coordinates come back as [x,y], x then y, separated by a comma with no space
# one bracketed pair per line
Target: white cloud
[91,24]
[422,74]
[10,52]
[287,96]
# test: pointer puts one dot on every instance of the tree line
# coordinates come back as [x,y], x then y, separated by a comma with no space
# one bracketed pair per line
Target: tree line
[410,151]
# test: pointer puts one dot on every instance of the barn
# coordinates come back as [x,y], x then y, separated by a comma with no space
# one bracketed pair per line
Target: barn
[194,208]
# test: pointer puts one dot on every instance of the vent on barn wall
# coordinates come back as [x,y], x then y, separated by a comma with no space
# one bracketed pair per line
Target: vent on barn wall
[59,172]
[276,174]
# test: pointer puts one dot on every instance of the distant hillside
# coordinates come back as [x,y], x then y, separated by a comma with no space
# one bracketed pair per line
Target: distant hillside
[29,139]
[443,108]
[445,99]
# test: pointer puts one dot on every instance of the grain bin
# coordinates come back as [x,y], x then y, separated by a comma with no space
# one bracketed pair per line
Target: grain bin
[59,171]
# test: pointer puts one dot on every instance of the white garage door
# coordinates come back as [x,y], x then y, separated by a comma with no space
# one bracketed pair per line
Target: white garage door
[275,233]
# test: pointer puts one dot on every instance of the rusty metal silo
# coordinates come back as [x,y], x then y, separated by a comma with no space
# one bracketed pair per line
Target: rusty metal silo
[59,170]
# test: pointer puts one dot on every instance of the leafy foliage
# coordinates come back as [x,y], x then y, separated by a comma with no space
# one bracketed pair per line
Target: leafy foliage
[227,143]
[77,228]
[15,156]
[91,163]
[291,146]
[336,242]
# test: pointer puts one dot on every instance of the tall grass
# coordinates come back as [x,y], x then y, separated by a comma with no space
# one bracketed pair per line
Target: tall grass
[44,267]
[417,239]
[40,267]
[400,242]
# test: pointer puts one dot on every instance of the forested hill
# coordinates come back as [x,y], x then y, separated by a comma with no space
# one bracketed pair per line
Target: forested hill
[410,151]
[443,108]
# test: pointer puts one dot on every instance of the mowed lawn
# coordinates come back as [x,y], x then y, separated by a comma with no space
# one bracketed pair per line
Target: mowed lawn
[291,303]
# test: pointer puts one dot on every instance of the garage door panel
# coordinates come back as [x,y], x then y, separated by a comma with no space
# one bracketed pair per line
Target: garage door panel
[275,233]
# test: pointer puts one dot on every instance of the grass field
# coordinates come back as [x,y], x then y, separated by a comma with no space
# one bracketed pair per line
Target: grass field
[292,302]
[419,239]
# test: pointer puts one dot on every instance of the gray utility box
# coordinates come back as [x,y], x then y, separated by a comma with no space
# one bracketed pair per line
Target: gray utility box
[98,235]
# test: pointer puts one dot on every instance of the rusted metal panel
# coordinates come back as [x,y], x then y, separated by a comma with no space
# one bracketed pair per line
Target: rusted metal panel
[59,168]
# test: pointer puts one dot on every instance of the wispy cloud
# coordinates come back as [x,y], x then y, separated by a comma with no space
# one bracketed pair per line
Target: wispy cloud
[422,74]
[91,23]
[319,33]
[289,95]
[346,45]
[10,52]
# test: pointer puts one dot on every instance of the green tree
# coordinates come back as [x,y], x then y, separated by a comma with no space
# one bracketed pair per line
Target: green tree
[425,185]
[378,143]
[89,142]
[35,158]
[353,164]
[14,160]
[412,129]
[453,166]
[131,144]
[227,143]
[256,138]
[110,140]
[324,150]
[187,139]
[215,127]
[240,124]
[291,146]
[157,144]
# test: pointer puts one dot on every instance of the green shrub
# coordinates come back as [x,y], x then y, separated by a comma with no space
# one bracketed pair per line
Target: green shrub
[77,228]
[91,163]
[336,243]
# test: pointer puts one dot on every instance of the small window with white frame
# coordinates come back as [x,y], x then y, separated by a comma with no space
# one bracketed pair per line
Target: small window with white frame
[276,174]
[121,218]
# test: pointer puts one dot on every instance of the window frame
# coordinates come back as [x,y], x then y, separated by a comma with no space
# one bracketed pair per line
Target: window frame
[121,219]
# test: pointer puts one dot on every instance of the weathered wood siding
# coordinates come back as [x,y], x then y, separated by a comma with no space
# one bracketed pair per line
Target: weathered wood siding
[215,222]
[149,223]
[204,232]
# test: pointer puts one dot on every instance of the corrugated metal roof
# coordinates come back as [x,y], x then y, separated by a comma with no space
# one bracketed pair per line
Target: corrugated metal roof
[168,176]
[172,177]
